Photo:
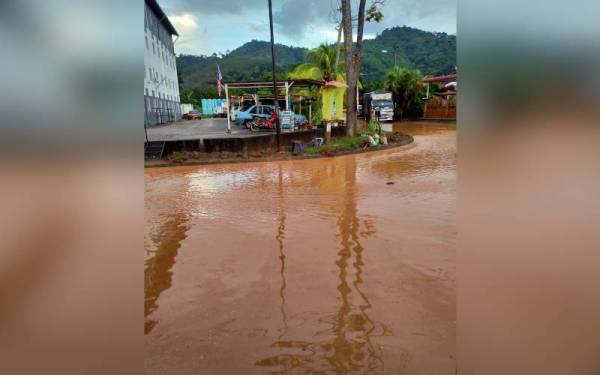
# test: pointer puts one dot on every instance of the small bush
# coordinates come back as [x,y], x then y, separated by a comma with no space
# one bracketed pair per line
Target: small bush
[371,128]
[178,157]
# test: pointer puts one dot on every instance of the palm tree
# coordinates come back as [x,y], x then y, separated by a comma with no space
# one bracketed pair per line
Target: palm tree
[320,64]
[405,85]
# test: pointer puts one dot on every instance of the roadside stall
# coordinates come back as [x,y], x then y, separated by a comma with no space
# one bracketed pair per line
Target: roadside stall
[284,88]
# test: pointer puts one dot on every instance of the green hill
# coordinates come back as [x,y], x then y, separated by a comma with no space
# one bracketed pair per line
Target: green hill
[432,53]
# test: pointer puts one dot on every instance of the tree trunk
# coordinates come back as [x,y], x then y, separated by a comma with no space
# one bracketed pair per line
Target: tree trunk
[350,81]
[352,60]
[338,48]
[359,36]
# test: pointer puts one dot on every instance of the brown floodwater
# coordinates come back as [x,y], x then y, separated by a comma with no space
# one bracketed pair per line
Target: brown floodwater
[340,265]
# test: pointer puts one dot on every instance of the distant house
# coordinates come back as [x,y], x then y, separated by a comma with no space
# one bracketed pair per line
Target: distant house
[440,101]
[161,88]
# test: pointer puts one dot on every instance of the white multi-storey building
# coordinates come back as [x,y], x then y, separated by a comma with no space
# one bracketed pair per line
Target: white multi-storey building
[161,88]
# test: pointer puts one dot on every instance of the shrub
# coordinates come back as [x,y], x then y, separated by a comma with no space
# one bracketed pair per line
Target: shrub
[178,157]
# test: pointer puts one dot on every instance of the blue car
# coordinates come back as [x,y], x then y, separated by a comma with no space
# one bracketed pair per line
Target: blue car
[247,114]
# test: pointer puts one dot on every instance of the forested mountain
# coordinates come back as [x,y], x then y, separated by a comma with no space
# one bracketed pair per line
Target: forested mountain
[431,53]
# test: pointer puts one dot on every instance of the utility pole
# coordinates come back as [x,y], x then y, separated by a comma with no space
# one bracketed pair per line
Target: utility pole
[395,49]
[275,96]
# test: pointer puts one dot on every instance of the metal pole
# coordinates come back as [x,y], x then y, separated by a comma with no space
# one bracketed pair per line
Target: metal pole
[228,109]
[287,96]
[277,123]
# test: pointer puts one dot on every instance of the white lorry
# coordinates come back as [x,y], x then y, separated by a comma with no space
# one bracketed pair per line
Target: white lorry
[381,102]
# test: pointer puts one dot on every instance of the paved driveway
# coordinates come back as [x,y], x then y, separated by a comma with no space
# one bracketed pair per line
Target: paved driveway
[196,129]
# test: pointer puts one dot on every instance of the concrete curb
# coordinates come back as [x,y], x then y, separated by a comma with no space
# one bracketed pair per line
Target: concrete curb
[164,163]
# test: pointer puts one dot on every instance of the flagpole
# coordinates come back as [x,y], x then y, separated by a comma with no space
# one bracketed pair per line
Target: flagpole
[219,89]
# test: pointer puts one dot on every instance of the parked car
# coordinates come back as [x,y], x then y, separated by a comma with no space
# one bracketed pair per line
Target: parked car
[247,114]
[192,115]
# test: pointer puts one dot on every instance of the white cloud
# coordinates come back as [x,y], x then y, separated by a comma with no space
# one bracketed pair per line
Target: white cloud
[305,23]
[184,23]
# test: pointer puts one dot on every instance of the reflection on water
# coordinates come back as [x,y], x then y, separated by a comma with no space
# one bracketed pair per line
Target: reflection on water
[346,347]
[157,271]
[280,237]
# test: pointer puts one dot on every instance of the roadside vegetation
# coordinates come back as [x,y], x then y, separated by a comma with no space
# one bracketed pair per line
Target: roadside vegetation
[347,143]
[431,52]
[407,90]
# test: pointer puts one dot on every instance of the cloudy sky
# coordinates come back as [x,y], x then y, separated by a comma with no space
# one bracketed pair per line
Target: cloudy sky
[209,26]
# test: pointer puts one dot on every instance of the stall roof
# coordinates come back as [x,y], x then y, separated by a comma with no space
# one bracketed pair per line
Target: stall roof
[444,93]
[266,84]
[446,78]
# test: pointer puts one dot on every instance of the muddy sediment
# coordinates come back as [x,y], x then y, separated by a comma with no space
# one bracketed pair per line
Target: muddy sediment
[336,265]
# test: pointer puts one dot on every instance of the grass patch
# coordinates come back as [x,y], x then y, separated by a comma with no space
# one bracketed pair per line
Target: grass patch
[339,144]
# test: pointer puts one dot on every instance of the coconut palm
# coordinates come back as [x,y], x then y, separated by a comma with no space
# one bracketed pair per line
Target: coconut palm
[320,64]
[405,85]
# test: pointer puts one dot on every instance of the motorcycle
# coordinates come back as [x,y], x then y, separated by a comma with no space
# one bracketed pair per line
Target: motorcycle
[264,123]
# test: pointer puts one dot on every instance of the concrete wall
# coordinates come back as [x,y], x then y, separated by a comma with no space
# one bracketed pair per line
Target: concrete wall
[186,107]
[260,143]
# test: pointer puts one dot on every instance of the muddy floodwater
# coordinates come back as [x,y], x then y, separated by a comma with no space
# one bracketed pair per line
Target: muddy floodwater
[340,265]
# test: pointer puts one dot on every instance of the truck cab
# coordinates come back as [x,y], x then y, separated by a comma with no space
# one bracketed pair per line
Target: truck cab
[379,102]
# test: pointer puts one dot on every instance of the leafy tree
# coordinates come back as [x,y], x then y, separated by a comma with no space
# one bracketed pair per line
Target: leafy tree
[353,52]
[187,97]
[373,13]
[406,87]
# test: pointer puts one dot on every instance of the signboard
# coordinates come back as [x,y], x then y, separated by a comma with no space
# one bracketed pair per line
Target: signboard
[286,119]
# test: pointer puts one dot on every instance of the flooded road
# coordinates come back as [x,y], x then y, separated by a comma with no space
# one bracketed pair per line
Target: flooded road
[341,265]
